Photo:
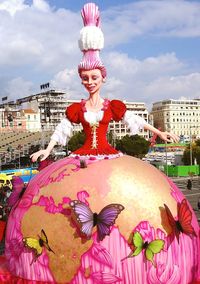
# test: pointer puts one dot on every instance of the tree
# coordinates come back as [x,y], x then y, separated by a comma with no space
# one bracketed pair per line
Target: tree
[197,142]
[76,141]
[134,145]
[195,153]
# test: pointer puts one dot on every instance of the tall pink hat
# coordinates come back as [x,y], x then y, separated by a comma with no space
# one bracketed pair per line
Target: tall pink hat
[91,40]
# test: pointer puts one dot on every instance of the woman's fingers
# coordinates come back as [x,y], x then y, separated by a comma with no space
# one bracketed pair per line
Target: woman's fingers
[45,156]
[168,137]
[36,155]
[174,137]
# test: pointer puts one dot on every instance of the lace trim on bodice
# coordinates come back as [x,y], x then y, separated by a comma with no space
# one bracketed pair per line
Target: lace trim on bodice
[105,105]
[93,118]
[97,157]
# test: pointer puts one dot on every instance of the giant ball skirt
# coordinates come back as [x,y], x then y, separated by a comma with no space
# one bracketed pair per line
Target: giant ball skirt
[154,239]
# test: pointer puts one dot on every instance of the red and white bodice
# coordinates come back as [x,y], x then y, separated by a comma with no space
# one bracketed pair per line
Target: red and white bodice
[95,125]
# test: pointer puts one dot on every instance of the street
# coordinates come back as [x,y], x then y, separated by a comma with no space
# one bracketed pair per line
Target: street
[192,195]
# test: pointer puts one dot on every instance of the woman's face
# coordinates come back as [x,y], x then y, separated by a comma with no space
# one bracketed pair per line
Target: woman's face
[92,80]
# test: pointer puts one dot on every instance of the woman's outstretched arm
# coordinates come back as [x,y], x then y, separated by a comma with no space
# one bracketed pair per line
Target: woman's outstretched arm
[61,134]
[136,123]
[43,153]
[165,136]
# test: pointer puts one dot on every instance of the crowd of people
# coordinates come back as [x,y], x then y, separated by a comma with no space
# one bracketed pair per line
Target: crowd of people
[9,196]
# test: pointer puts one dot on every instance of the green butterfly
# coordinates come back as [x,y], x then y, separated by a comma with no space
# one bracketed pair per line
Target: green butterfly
[151,248]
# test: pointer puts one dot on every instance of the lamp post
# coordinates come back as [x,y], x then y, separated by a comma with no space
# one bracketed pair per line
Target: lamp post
[190,148]
[166,158]
[191,144]
[42,137]
[19,148]
[10,150]
[114,138]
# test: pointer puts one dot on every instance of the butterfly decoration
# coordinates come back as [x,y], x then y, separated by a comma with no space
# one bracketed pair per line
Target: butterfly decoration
[36,245]
[150,248]
[103,221]
[183,222]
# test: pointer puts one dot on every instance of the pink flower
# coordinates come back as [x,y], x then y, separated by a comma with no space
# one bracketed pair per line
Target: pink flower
[26,201]
[147,232]
[100,253]
[164,274]
[82,196]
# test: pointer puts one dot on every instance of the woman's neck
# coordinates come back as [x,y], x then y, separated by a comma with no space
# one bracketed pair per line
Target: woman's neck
[94,102]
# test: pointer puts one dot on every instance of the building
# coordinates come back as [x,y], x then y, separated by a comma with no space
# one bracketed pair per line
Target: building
[182,117]
[49,104]
[48,109]
[32,120]
[12,119]
[119,129]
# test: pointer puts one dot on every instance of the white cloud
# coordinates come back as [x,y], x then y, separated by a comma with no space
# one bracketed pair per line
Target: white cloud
[148,80]
[187,86]
[41,5]
[150,67]
[151,79]
[68,81]
[12,6]
[40,37]
[40,42]
[164,18]
[18,88]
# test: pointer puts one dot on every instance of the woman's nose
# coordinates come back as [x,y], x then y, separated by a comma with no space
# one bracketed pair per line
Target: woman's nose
[90,80]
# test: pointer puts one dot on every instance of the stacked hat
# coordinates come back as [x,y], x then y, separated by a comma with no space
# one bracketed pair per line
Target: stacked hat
[91,40]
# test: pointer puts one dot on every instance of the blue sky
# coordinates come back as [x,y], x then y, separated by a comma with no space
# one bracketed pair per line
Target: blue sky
[151,48]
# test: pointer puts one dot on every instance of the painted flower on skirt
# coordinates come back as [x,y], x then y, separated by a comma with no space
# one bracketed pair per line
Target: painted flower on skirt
[164,274]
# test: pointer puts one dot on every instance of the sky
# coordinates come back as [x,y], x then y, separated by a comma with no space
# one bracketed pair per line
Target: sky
[152,48]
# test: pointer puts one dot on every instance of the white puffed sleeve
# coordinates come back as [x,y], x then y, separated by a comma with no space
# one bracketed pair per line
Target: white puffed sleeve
[62,132]
[134,122]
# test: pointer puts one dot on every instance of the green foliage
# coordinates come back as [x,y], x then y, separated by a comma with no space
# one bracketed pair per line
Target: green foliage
[197,142]
[76,141]
[134,145]
[195,153]
[110,137]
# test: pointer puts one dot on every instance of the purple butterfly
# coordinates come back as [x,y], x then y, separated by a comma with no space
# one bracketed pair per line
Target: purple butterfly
[87,219]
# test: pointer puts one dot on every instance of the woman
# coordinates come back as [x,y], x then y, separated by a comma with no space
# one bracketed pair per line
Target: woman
[94,114]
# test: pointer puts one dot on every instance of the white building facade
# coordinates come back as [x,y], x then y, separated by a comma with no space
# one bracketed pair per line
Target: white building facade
[45,110]
[181,117]
[120,130]
[32,120]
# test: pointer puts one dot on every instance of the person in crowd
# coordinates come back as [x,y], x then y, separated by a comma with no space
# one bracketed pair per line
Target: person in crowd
[189,184]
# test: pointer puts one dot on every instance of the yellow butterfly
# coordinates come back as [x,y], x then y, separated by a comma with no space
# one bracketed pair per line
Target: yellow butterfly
[36,245]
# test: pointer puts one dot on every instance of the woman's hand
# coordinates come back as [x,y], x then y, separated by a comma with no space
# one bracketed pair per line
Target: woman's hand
[44,153]
[168,137]
[165,136]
